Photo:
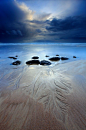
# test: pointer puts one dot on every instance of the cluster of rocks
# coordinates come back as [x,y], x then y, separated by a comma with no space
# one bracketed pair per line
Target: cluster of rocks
[44,62]
[58,58]
[16,62]
[35,60]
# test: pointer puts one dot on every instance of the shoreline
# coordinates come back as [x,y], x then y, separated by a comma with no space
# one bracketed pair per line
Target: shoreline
[44,43]
[48,98]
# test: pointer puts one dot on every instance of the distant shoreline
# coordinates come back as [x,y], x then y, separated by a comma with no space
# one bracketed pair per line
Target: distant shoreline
[45,43]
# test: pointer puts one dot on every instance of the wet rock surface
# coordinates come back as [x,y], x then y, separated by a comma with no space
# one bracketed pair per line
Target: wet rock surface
[64,58]
[57,55]
[16,56]
[16,62]
[11,57]
[74,56]
[33,62]
[55,59]
[46,56]
[35,57]
[44,62]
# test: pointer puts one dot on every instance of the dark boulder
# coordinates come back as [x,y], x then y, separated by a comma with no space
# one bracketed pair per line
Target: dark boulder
[57,55]
[16,62]
[54,58]
[35,57]
[64,58]
[74,56]
[16,56]
[33,62]
[46,56]
[44,62]
[12,58]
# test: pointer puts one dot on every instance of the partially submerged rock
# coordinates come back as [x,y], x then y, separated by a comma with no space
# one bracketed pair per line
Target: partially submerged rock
[11,57]
[46,56]
[54,58]
[35,57]
[74,56]
[16,62]
[64,58]
[16,56]
[57,55]
[33,62]
[44,62]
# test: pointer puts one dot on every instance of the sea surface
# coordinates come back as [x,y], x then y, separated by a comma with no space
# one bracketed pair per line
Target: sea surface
[26,51]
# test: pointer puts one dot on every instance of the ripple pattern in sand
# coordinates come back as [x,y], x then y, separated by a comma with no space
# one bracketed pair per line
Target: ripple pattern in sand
[48,87]
[59,95]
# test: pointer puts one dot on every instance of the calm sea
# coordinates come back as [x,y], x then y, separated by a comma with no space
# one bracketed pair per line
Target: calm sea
[26,51]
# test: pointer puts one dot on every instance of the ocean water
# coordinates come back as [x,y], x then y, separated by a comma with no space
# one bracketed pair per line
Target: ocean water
[26,51]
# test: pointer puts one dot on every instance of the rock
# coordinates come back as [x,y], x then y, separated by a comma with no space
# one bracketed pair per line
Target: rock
[33,62]
[57,55]
[54,58]
[46,56]
[74,56]
[64,58]
[12,58]
[16,62]
[35,57]
[44,62]
[16,56]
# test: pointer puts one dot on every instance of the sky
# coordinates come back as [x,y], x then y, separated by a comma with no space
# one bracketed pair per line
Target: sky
[51,21]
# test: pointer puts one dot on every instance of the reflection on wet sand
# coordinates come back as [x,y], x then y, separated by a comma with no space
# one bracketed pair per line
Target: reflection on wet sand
[44,98]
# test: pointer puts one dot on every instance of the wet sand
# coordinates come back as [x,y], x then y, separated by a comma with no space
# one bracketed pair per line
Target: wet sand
[43,98]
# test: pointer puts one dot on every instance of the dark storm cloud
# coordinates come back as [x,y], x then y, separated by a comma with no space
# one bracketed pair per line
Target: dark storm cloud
[18,25]
[68,28]
[68,23]
[12,23]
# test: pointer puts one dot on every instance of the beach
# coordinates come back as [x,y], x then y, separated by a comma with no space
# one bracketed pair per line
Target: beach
[37,97]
